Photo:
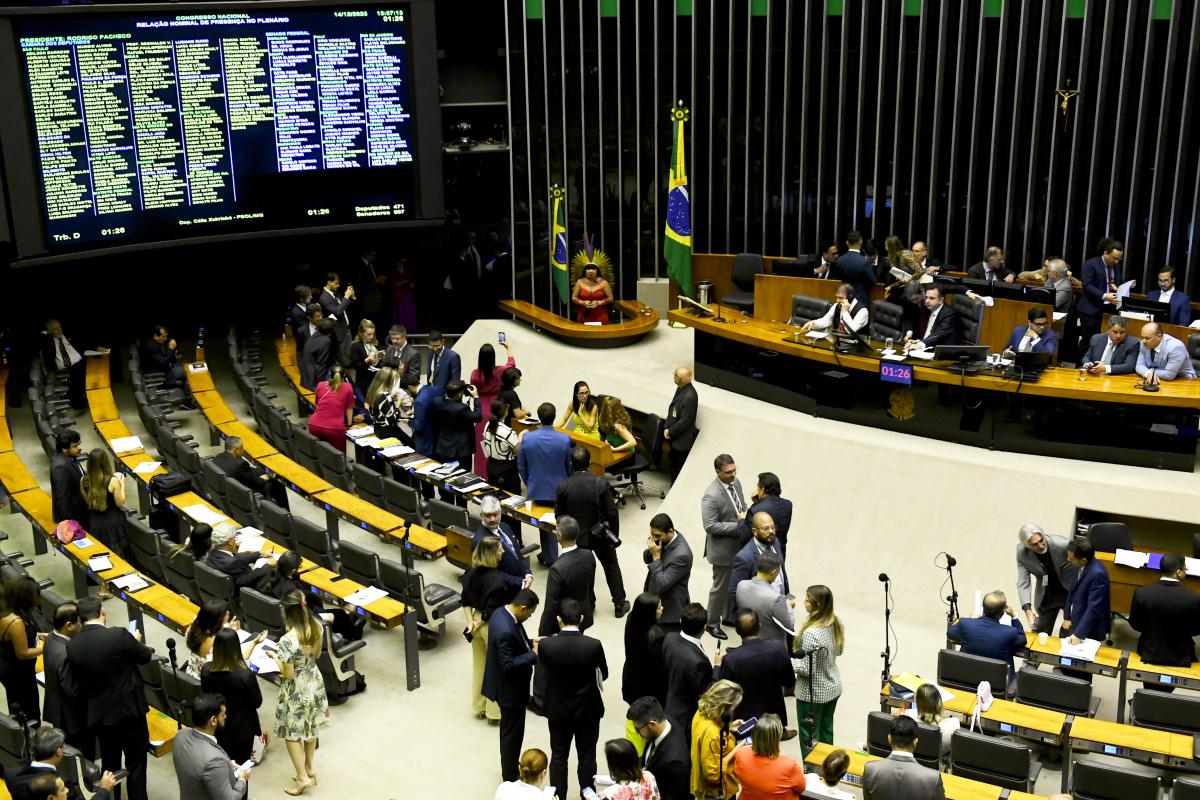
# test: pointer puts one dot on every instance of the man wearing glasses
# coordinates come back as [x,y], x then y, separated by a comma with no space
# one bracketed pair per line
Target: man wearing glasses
[1036,337]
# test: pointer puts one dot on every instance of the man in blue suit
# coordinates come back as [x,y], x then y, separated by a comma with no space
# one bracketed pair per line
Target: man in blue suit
[1036,337]
[854,269]
[1162,357]
[768,497]
[507,671]
[514,565]
[1112,353]
[1087,614]
[444,363]
[1101,277]
[543,460]
[986,637]
[1181,304]
[425,400]
[762,540]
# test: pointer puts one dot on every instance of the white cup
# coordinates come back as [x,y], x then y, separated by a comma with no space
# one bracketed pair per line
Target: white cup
[1043,637]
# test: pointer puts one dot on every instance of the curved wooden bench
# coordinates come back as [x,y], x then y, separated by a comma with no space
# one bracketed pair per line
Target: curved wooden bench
[640,320]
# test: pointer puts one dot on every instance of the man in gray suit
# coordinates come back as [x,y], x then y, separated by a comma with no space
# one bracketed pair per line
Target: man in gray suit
[721,508]
[203,769]
[400,355]
[899,776]
[760,595]
[669,560]
[1042,561]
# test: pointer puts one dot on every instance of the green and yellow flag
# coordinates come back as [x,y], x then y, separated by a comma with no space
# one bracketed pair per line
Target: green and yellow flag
[677,235]
[558,240]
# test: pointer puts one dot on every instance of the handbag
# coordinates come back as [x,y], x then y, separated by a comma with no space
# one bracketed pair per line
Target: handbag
[69,531]
[258,750]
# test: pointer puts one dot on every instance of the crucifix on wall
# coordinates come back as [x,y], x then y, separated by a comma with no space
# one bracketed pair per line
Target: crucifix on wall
[1066,95]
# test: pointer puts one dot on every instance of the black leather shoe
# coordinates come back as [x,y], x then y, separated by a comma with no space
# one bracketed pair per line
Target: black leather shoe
[716,632]
[728,623]
[622,609]
[789,734]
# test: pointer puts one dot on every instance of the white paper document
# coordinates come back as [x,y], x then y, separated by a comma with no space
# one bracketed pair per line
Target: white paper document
[475,487]
[133,582]
[360,431]
[262,661]
[250,540]
[83,543]
[100,563]
[1131,558]
[987,300]
[1193,566]
[1085,650]
[547,517]
[817,335]
[126,444]
[90,353]
[1059,316]
[396,450]
[146,467]
[512,502]
[202,513]
[893,356]
[1123,291]
[927,355]
[429,468]
[365,596]
[367,441]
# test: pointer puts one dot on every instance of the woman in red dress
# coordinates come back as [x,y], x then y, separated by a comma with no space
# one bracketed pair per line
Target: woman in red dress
[486,379]
[592,295]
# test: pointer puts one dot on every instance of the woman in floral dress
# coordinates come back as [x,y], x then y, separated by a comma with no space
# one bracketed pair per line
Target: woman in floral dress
[303,708]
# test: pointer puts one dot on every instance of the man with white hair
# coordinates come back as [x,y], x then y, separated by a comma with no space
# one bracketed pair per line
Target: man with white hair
[1042,561]
[514,565]
[1058,279]
[224,557]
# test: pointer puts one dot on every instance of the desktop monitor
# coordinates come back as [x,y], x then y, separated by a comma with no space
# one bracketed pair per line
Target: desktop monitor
[794,268]
[1031,362]
[1039,294]
[1159,312]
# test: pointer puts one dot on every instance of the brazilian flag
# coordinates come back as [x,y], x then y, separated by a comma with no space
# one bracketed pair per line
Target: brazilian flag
[558,240]
[677,235]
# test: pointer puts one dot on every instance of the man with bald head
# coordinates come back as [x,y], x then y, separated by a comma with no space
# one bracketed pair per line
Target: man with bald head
[931,265]
[1162,357]
[762,540]
[986,637]
[679,428]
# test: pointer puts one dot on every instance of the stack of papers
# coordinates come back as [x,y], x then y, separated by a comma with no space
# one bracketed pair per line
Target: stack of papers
[146,467]
[817,335]
[132,582]
[927,355]
[396,450]
[429,468]
[548,517]
[390,441]
[365,596]
[892,355]
[513,501]
[250,540]
[1131,558]
[360,431]
[474,487]
[100,563]
[1085,650]
[202,513]
[368,441]
[126,444]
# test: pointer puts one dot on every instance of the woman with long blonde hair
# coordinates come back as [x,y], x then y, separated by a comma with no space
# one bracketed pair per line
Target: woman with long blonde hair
[104,491]
[818,681]
[303,709]
[713,745]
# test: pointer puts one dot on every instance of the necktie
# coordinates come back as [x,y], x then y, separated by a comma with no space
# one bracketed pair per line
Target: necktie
[433,366]
[738,505]
[62,353]
[932,317]
[1112,287]
[1026,344]
[649,752]
[1108,351]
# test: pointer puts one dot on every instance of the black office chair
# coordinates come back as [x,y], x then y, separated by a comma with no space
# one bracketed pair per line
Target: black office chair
[1162,711]
[359,563]
[745,267]
[993,760]
[1099,782]
[887,320]
[1045,689]
[243,503]
[261,613]
[970,314]
[336,664]
[333,466]
[313,542]
[806,309]
[1186,789]
[304,449]
[214,483]
[276,524]
[181,689]
[1108,537]
[368,484]
[280,428]
[403,501]
[179,568]
[1193,346]
[430,602]
[212,583]
[962,671]
[929,740]
[635,465]
[12,744]
[442,515]
[188,459]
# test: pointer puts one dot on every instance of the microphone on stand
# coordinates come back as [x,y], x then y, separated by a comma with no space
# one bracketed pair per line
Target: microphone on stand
[883,577]
[886,655]
[951,560]
[177,711]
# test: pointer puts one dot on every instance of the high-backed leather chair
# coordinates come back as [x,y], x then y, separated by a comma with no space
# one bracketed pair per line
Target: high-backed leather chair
[887,320]
[970,313]
[745,267]
[806,308]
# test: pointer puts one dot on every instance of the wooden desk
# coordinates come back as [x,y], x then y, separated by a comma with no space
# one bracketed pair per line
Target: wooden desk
[256,447]
[299,479]
[385,610]
[199,380]
[1138,670]
[214,408]
[956,788]
[1124,580]
[1159,748]
[6,442]
[601,452]
[102,405]
[13,474]
[368,516]
[1003,716]
[1109,661]
[639,321]
[96,372]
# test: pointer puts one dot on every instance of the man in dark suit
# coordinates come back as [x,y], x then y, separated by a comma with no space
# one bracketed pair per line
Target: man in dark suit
[424,419]
[1036,337]
[543,461]
[574,665]
[312,318]
[298,311]
[64,707]
[852,267]
[65,472]
[319,355]
[400,355]
[1167,614]
[159,355]
[1112,353]
[105,661]
[47,745]
[942,326]
[233,464]
[988,638]
[669,566]
[506,674]
[899,776]
[1181,304]
[444,363]
[59,355]
[1087,613]
[992,267]
[679,428]
[762,540]
[572,577]
[334,308]
[514,565]
[456,424]
[224,557]
[762,668]
[589,499]
[767,498]
[667,752]
[1101,277]
[689,672]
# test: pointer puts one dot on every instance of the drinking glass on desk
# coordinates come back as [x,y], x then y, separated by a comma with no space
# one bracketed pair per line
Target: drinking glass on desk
[888,344]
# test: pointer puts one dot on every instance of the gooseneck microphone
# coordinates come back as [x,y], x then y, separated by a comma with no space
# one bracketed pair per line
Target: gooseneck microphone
[951,560]
[883,578]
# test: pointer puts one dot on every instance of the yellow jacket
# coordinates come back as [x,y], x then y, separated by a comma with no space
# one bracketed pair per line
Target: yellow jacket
[707,752]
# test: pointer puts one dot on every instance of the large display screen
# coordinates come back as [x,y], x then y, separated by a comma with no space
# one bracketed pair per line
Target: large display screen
[166,126]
